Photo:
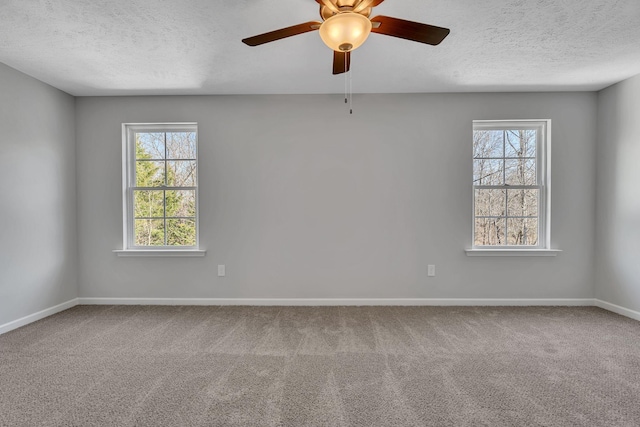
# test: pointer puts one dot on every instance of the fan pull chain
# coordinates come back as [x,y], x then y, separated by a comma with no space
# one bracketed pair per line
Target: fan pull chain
[350,92]
[345,80]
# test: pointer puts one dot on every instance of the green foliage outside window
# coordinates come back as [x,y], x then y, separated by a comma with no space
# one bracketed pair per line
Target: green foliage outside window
[164,214]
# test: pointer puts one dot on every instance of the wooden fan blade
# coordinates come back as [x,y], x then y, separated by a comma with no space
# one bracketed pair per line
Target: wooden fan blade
[409,30]
[341,62]
[282,33]
[365,4]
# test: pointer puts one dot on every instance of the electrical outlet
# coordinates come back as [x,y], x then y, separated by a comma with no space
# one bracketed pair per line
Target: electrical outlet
[431,270]
[221,270]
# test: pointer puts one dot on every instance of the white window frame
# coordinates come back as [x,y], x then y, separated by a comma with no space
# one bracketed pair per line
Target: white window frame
[128,180]
[543,178]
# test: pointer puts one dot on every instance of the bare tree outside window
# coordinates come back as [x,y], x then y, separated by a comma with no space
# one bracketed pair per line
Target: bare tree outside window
[508,183]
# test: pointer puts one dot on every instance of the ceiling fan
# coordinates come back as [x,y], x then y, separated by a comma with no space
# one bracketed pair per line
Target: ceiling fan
[346,25]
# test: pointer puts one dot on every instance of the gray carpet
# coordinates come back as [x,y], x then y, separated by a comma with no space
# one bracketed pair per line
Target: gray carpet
[322,366]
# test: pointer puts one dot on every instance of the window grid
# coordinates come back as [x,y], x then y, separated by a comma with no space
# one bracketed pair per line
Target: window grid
[165,188]
[130,133]
[541,222]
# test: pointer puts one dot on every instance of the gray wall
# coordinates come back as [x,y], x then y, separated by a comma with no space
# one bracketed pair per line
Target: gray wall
[38,244]
[301,200]
[618,195]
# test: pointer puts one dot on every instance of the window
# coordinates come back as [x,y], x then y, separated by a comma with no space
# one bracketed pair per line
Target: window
[511,184]
[160,186]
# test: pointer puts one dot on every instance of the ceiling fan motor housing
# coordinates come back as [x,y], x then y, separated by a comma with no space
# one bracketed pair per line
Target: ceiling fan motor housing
[343,6]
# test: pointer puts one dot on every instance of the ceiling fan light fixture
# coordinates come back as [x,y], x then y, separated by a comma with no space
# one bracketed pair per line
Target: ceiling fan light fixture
[345,31]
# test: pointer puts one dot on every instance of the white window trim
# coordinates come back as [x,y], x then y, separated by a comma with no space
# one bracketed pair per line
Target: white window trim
[128,173]
[513,252]
[160,253]
[543,166]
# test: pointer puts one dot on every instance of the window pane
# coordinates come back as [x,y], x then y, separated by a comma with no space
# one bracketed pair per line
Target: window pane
[490,232]
[181,232]
[488,172]
[520,171]
[490,202]
[147,203]
[520,143]
[181,145]
[150,145]
[149,173]
[181,203]
[488,143]
[523,231]
[181,173]
[149,232]
[523,202]
[506,156]
[159,157]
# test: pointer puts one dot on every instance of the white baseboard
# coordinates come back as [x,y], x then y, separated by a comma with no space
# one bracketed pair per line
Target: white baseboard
[343,301]
[468,302]
[37,316]
[617,309]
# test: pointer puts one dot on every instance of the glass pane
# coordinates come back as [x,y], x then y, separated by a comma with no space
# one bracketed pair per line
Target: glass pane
[523,231]
[181,145]
[181,232]
[523,202]
[488,143]
[488,172]
[149,232]
[490,232]
[147,203]
[150,145]
[181,173]
[149,173]
[490,202]
[181,203]
[520,171]
[520,143]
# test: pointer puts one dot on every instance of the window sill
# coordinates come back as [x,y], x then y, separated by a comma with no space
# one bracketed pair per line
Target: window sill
[160,252]
[512,252]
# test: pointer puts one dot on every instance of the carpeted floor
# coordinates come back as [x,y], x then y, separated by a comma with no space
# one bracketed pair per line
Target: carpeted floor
[322,366]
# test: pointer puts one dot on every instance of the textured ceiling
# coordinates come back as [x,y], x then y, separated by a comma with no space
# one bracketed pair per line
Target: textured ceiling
[130,47]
